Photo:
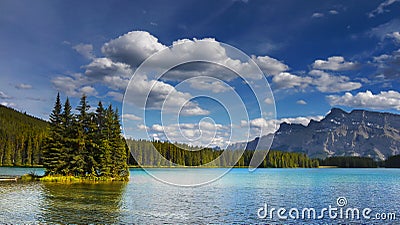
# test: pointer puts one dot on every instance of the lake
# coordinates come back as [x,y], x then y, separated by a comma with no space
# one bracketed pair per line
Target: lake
[238,197]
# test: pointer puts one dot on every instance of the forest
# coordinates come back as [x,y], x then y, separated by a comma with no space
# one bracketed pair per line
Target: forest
[184,155]
[21,138]
[91,144]
[350,162]
[88,144]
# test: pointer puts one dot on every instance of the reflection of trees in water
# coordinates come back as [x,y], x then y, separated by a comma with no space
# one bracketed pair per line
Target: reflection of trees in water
[81,203]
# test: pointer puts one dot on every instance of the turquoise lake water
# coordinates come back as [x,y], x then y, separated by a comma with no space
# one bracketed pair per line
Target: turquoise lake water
[238,197]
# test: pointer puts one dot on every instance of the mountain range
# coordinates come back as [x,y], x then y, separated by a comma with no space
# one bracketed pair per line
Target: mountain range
[339,133]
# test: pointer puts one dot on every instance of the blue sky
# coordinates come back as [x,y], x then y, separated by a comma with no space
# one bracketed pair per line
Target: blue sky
[315,55]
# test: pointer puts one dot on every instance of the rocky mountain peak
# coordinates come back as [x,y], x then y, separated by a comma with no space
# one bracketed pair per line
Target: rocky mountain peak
[358,133]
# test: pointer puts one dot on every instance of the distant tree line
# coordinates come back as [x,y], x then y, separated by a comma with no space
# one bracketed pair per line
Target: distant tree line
[392,162]
[184,155]
[85,144]
[21,138]
[349,162]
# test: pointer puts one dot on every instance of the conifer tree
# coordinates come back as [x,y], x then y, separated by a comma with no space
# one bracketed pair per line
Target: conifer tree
[53,143]
[67,120]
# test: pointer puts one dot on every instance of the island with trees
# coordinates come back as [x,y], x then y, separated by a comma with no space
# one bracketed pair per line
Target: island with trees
[85,146]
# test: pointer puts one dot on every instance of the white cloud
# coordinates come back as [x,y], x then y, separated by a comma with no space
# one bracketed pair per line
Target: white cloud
[8,104]
[301,102]
[160,95]
[335,63]
[317,15]
[74,85]
[381,8]
[212,85]
[333,12]
[4,95]
[101,67]
[269,65]
[383,100]
[268,101]
[303,120]
[205,133]
[86,50]
[131,117]
[115,95]
[395,35]
[116,82]
[271,126]
[388,65]
[382,31]
[326,82]
[23,86]
[88,91]
[142,127]
[132,48]
[287,80]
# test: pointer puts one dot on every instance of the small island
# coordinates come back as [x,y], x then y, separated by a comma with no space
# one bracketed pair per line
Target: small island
[87,146]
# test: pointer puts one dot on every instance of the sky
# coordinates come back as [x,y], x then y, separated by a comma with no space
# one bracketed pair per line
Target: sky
[259,63]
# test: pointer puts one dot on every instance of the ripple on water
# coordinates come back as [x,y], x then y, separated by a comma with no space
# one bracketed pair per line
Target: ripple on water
[233,199]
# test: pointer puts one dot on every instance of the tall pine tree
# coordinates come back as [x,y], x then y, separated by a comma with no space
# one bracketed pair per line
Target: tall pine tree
[53,143]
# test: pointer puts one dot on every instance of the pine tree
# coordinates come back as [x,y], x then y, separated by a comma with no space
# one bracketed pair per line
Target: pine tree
[53,143]
[67,120]
[119,157]
[81,127]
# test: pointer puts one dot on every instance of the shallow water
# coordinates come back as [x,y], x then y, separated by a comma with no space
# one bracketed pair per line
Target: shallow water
[235,198]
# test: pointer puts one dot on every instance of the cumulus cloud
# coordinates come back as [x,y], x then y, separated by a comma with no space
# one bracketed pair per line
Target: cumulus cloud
[131,117]
[204,133]
[383,100]
[23,86]
[301,102]
[381,8]
[132,48]
[74,85]
[388,65]
[88,91]
[271,126]
[317,15]
[333,12]
[86,50]
[115,95]
[385,30]
[287,80]
[395,35]
[154,94]
[207,84]
[101,67]
[4,95]
[8,104]
[270,66]
[326,82]
[335,63]
[269,101]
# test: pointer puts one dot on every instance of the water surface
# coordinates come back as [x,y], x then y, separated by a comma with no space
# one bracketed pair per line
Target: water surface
[235,198]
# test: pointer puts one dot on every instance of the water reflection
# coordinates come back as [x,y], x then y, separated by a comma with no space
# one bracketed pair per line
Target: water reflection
[81,203]
[233,199]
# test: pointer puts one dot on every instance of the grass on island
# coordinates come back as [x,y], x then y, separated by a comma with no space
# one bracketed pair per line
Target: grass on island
[70,179]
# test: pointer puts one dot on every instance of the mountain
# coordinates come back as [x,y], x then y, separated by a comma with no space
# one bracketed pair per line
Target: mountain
[358,133]
[21,136]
